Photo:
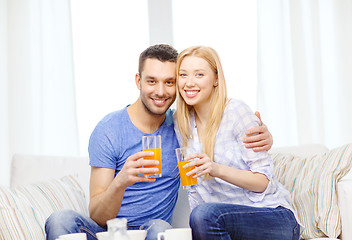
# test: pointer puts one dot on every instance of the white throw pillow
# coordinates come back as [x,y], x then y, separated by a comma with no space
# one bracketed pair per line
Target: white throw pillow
[312,182]
[24,209]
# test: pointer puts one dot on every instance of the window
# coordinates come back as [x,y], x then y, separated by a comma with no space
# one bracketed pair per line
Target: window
[230,27]
[108,36]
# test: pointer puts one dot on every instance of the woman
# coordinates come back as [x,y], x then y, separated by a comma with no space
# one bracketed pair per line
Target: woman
[238,196]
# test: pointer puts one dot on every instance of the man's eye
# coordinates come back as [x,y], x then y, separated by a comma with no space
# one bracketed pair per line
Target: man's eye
[170,83]
[151,81]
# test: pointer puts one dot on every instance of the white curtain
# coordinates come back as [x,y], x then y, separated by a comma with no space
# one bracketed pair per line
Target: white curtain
[38,108]
[305,70]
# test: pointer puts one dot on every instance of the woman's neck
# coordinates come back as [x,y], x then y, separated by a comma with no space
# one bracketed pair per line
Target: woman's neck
[201,119]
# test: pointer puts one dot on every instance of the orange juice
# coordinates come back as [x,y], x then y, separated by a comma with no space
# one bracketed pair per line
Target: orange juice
[156,156]
[186,180]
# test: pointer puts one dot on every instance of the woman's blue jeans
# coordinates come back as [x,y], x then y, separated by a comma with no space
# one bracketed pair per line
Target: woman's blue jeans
[215,221]
[68,221]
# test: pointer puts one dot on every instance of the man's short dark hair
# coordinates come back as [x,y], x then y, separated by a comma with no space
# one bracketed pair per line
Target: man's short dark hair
[161,52]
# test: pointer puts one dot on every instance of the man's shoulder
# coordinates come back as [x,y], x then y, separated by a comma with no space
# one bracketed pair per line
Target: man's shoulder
[113,117]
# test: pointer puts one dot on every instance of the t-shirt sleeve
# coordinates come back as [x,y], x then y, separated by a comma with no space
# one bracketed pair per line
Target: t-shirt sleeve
[100,148]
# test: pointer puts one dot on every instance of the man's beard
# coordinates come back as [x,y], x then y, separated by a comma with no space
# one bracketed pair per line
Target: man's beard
[150,110]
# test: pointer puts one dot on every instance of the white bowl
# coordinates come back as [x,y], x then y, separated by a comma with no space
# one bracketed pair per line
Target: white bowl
[133,234]
[73,236]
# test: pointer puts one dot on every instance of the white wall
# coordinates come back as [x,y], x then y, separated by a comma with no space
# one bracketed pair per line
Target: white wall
[160,22]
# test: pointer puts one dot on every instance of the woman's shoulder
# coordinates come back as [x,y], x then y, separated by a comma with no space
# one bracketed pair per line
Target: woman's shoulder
[237,106]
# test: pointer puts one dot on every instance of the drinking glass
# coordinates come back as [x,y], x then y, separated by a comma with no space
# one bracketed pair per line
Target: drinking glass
[181,154]
[153,144]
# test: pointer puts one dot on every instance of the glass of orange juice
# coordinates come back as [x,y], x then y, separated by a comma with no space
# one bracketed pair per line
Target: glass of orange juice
[153,144]
[181,154]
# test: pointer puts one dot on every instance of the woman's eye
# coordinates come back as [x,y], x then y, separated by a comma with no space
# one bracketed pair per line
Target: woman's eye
[182,75]
[199,74]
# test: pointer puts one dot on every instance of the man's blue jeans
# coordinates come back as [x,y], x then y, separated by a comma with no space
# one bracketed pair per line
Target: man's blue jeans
[68,221]
[228,221]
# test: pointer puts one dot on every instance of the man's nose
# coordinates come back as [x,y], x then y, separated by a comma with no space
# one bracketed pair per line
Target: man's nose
[160,91]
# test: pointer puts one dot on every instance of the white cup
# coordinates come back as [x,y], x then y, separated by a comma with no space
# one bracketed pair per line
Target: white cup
[73,236]
[176,234]
[133,235]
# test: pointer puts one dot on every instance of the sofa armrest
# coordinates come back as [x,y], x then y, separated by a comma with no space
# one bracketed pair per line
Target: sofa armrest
[344,193]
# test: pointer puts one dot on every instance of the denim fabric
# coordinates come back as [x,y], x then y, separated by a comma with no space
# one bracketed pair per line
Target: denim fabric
[154,227]
[215,221]
[68,221]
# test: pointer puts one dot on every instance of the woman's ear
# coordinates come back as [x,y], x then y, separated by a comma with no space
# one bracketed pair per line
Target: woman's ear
[216,82]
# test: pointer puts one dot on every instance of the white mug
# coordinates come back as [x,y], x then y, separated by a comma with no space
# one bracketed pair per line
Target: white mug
[133,234]
[176,234]
[73,236]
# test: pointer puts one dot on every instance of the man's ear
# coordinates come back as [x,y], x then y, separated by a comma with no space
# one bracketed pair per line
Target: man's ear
[138,81]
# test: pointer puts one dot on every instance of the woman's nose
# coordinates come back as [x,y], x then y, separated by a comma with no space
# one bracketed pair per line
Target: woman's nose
[190,81]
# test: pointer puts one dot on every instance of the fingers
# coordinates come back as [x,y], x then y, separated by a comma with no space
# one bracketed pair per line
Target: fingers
[144,169]
[135,166]
[130,179]
[197,159]
[139,155]
[143,179]
[200,170]
[258,115]
[257,130]
[137,160]
[263,148]
[202,165]
[261,141]
[195,156]
[258,144]
[145,166]
[256,138]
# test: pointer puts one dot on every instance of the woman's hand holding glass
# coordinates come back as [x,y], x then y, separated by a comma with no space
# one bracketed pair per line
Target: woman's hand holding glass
[203,165]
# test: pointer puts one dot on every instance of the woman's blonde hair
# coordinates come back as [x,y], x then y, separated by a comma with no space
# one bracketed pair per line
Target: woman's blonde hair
[218,100]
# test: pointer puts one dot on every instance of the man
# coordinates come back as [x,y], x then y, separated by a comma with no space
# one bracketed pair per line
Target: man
[117,187]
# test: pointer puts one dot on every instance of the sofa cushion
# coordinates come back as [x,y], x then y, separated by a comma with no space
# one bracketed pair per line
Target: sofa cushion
[312,182]
[24,209]
[17,218]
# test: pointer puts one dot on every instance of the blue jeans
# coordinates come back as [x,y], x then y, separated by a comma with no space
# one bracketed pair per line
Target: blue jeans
[228,221]
[68,221]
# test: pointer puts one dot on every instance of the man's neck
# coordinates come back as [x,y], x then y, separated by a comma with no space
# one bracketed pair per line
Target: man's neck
[143,119]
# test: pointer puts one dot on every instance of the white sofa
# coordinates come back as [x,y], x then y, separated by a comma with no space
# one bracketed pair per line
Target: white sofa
[31,169]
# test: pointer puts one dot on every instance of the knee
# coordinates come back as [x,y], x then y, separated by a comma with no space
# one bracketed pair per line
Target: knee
[202,214]
[60,217]
[154,227]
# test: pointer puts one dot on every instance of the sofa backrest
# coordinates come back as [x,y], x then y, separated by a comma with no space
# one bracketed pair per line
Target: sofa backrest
[30,169]
[301,150]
